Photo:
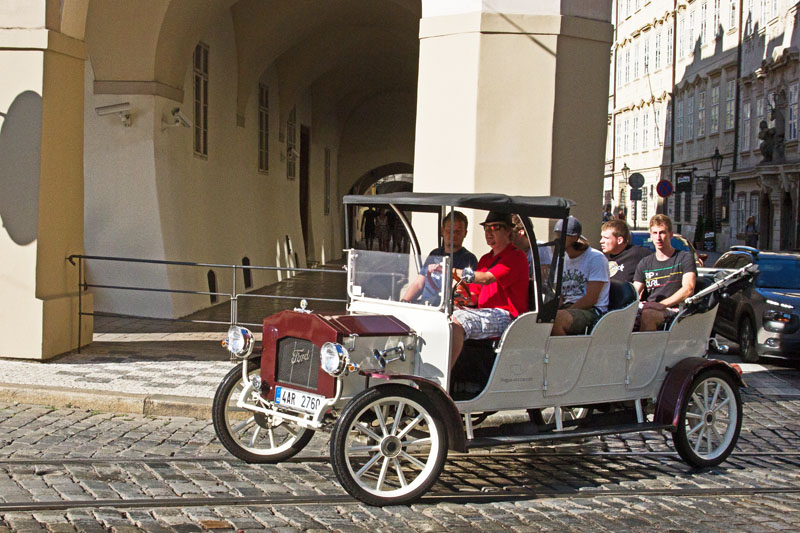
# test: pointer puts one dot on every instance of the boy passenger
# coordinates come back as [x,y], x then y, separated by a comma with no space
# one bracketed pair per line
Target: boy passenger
[665,278]
[585,286]
[615,241]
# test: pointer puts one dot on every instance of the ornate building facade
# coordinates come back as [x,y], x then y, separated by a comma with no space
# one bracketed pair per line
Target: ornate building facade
[725,75]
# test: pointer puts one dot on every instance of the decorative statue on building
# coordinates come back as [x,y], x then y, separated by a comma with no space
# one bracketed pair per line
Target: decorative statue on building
[773,140]
[767,146]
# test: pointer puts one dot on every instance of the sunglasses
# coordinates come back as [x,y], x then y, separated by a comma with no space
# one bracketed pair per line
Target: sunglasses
[493,227]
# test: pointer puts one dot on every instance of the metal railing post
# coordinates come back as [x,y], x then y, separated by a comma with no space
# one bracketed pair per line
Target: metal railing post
[234,300]
[80,301]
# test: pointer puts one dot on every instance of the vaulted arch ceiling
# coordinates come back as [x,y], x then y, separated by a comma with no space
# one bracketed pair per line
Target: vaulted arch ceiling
[369,58]
[150,42]
[334,32]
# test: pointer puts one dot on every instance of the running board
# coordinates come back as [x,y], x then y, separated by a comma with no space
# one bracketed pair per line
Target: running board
[500,440]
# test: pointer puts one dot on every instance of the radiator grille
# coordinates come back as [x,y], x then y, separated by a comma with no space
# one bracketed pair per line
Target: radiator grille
[297,362]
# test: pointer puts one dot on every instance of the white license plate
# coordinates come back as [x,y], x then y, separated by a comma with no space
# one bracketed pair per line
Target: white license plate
[295,399]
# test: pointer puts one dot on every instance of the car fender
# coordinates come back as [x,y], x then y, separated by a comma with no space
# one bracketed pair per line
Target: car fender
[677,383]
[745,310]
[456,438]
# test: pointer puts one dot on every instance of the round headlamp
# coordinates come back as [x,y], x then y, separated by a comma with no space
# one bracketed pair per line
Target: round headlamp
[239,341]
[333,358]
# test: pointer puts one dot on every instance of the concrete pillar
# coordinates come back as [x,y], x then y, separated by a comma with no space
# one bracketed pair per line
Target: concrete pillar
[513,98]
[41,178]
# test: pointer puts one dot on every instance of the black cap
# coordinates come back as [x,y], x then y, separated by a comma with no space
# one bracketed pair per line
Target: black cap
[573,226]
[495,217]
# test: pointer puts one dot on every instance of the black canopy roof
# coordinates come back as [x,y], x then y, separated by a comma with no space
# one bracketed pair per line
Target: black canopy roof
[532,206]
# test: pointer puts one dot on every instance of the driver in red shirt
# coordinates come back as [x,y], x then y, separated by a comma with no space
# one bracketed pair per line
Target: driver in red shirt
[498,286]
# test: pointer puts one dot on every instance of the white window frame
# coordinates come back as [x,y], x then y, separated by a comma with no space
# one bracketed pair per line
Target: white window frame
[669,46]
[791,126]
[732,22]
[291,145]
[657,59]
[730,111]
[714,126]
[679,121]
[636,60]
[200,60]
[701,114]
[263,128]
[635,134]
[690,118]
[646,129]
[746,126]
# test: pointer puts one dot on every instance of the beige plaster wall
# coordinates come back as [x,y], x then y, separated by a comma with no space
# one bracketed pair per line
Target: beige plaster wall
[41,179]
[516,104]
[20,153]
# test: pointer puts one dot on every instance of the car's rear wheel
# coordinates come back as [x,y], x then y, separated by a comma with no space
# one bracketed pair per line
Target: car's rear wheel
[710,419]
[389,445]
[251,436]
[747,340]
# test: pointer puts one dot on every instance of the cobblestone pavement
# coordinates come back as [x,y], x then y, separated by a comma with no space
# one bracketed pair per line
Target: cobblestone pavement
[636,482]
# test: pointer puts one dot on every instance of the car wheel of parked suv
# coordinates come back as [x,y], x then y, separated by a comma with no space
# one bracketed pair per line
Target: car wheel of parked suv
[747,340]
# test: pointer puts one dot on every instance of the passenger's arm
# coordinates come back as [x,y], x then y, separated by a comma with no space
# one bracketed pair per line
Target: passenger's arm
[688,282]
[639,286]
[589,300]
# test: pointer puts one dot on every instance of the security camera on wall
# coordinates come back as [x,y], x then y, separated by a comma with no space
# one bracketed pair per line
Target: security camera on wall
[175,117]
[123,110]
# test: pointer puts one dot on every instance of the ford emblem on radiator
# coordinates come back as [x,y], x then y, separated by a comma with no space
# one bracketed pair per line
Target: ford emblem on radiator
[300,356]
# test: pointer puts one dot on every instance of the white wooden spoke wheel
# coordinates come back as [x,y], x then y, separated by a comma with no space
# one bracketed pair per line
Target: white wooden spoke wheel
[389,445]
[253,437]
[710,419]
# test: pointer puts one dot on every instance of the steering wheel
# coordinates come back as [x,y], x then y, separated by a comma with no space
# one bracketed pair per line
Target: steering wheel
[461,296]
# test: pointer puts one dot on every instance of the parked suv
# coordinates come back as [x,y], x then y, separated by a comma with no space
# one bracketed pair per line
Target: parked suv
[765,317]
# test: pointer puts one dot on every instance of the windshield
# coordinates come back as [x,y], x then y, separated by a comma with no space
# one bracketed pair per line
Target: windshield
[778,274]
[394,277]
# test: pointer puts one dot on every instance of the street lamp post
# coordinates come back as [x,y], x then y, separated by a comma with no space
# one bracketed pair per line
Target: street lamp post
[626,171]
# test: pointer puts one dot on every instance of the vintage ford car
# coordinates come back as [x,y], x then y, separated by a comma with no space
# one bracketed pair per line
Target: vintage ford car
[380,376]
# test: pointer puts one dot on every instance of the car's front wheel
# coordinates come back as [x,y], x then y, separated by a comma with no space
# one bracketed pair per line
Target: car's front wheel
[251,436]
[710,419]
[747,340]
[389,445]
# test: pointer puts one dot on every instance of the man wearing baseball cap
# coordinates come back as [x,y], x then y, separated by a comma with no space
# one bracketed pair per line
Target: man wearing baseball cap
[584,290]
[498,286]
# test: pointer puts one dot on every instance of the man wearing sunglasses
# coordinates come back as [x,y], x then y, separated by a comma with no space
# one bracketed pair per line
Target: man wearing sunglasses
[498,286]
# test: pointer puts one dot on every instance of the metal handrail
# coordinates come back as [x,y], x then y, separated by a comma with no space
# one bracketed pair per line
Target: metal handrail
[233,295]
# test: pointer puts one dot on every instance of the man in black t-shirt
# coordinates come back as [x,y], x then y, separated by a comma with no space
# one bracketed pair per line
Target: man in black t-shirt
[665,278]
[615,241]
[429,281]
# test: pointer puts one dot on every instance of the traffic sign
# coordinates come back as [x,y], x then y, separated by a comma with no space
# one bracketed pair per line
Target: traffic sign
[636,194]
[636,180]
[664,188]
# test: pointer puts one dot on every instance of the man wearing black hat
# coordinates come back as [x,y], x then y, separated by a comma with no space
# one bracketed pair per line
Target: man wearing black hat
[585,286]
[498,286]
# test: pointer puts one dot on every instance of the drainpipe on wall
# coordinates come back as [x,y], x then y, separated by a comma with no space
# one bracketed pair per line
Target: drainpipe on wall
[737,103]
[670,107]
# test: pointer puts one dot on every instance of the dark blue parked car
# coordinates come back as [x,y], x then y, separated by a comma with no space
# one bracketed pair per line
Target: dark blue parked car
[765,317]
